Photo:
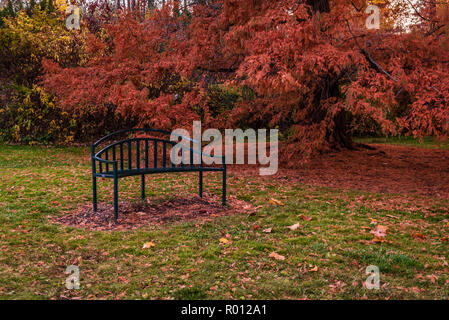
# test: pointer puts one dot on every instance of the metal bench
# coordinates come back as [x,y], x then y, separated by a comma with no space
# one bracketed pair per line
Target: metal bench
[141,155]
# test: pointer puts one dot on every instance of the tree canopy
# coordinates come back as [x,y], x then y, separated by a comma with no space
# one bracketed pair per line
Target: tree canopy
[310,68]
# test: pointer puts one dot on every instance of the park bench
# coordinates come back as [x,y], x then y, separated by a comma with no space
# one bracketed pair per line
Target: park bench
[141,152]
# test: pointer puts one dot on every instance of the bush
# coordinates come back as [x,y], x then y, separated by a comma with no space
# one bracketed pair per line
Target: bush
[27,113]
[32,117]
[26,40]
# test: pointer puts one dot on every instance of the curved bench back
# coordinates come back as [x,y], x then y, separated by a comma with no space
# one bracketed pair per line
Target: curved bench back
[130,131]
[138,153]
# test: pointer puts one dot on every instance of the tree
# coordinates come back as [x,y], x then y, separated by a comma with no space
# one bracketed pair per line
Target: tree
[50,6]
[309,68]
[319,5]
[6,12]
[43,4]
[30,7]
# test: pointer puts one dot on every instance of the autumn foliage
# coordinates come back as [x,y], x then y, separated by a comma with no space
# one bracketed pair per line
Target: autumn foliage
[309,68]
[29,33]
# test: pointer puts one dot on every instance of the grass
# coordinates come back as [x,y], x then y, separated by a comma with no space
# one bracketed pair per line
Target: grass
[427,142]
[325,258]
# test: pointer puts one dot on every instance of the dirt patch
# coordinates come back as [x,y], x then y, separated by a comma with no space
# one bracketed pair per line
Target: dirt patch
[388,169]
[139,214]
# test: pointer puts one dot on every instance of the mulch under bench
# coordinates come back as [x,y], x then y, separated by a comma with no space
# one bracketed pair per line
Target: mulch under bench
[144,213]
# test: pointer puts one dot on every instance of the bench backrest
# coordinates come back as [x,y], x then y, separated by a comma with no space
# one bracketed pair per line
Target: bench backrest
[145,152]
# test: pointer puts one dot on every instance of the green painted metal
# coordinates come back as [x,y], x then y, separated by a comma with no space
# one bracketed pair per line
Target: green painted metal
[142,186]
[94,180]
[201,185]
[223,201]
[119,170]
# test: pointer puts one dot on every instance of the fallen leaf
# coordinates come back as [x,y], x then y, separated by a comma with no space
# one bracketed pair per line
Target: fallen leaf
[418,235]
[224,240]
[433,278]
[276,202]
[378,240]
[315,269]
[416,290]
[294,227]
[380,231]
[268,230]
[391,216]
[305,218]
[276,256]
[148,245]
[337,285]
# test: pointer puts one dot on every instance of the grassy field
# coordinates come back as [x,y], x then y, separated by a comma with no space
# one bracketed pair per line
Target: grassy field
[325,257]
[427,142]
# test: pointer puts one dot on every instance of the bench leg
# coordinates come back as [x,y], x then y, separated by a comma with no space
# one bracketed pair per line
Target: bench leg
[142,187]
[224,186]
[94,193]
[115,197]
[201,184]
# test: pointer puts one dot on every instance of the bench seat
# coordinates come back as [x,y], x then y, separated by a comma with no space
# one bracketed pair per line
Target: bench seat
[138,172]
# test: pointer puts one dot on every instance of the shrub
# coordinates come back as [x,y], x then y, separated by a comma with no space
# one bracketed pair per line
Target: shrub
[27,113]
[26,40]
[32,117]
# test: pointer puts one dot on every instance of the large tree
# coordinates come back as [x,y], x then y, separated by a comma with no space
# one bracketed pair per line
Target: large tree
[310,68]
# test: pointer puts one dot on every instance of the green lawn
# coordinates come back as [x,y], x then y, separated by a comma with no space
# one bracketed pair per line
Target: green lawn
[427,142]
[325,258]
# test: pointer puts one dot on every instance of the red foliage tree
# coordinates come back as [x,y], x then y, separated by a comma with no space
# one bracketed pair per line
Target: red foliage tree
[309,68]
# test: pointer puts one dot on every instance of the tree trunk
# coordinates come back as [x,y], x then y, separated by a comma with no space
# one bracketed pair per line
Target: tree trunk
[319,5]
